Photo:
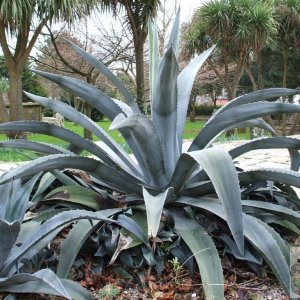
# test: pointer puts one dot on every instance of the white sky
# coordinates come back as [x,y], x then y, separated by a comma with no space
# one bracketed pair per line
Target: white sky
[187,7]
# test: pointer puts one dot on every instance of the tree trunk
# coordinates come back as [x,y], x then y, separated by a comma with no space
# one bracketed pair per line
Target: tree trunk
[16,111]
[88,112]
[295,124]
[260,78]
[3,110]
[140,78]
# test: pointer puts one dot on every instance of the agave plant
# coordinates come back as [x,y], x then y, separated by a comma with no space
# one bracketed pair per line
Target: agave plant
[171,195]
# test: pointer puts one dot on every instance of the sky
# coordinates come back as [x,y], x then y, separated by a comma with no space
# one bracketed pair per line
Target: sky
[187,7]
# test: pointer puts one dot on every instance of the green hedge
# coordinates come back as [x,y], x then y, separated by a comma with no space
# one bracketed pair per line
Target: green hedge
[204,110]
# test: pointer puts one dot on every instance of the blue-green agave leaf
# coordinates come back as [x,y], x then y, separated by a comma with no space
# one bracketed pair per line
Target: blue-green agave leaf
[17,205]
[219,167]
[81,89]
[153,57]
[280,242]
[154,207]
[271,94]
[34,146]
[205,253]
[75,194]
[236,115]
[259,123]
[77,117]
[285,176]
[284,212]
[164,109]
[94,97]
[43,231]
[148,145]
[55,131]
[184,169]
[75,290]
[7,192]
[108,74]
[112,177]
[185,83]
[265,243]
[41,282]
[233,249]
[257,235]
[289,143]
[9,233]
[174,36]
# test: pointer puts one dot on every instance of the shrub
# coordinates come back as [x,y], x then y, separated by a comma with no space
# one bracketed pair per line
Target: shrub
[164,195]
[205,110]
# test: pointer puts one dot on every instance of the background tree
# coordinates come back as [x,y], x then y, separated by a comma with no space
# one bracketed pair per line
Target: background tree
[109,46]
[24,21]
[288,17]
[241,29]
[137,14]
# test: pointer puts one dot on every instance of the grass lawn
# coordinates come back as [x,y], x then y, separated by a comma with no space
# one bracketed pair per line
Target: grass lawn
[191,130]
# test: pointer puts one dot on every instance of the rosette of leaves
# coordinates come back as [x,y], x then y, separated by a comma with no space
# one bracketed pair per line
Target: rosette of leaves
[173,196]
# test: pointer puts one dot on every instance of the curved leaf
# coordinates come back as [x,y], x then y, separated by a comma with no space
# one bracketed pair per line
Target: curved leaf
[220,169]
[107,73]
[109,175]
[17,205]
[164,109]
[259,123]
[83,90]
[58,132]
[41,282]
[34,146]
[94,97]
[44,230]
[284,176]
[237,115]
[257,235]
[148,146]
[256,96]
[75,194]
[271,143]
[205,253]
[75,290]
[284,212]
[185,83]
[280,242]
[71,113]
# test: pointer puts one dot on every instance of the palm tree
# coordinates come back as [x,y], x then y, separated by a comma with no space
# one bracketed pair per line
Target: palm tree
[258,30]
[239,27]
[137,14]
[17,19]
[288,17]
[217,21]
